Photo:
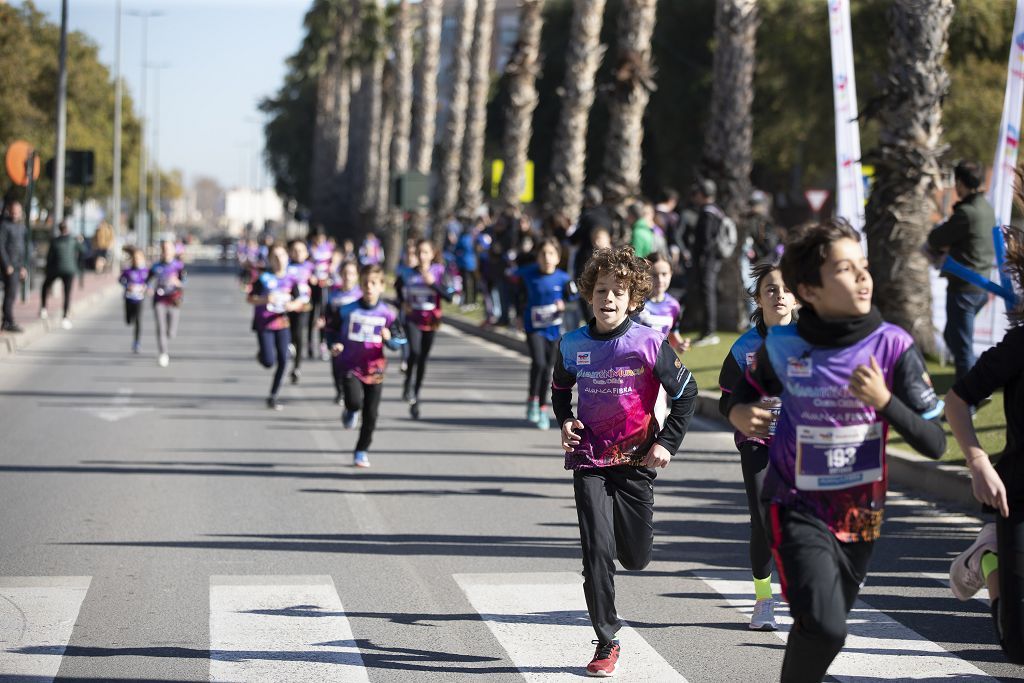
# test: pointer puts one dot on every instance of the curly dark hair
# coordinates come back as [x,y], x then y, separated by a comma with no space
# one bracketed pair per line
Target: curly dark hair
[1014,267]
[808,248]
[629,269]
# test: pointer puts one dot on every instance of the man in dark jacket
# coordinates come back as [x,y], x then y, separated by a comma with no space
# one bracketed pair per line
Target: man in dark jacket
[705,256]
[967,237]
[12,261]
[62,263]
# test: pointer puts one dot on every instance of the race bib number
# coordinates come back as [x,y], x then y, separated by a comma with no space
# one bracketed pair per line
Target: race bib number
[774,404]
[834,458]
[421,298]
[277,302]
[368,329]
[547,315]
[136,292]
[661,323]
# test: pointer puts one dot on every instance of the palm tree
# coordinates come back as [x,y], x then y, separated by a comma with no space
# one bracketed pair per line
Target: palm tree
[325,132]
[907,163]
[402,106]
[455,126]
[568,163]
[521,73]
[633,81]
[728,156]
[425,100]
[472,172]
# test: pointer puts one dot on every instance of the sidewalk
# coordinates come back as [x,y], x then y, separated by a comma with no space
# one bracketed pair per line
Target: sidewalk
[97,286]
[936,481]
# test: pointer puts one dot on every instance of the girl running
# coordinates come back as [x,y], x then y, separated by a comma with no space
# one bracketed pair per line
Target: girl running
[994,557]
[343,291]
[547,288]
[662,311]
[775,306]
[133,279]
[167,280]
[322,253]
[274,294]
[420,292]
[300,270]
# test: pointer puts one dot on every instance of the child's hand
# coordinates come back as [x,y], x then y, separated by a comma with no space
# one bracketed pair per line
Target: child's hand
[560,305]
[336,350]
[321,323]
[868,385]
[385,334]
[751,420]
[658,456]
[570,439]
[429,279]
[987,486]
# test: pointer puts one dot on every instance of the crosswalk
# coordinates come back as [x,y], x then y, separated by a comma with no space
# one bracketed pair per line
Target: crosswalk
[295,628]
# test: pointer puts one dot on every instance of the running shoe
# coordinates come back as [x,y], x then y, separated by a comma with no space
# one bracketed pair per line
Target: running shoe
[414,409]
[13,328]
[136,347]
[44,314]
[338,398]
[407,395]
[533,411]
[605,661]
[349,419]
[544,420]
[273,403]
[763,618]
[965,576]
[709,340]
[65,323]
[163,360]
[403,366]
[361,459]
[292,351]
[296,374]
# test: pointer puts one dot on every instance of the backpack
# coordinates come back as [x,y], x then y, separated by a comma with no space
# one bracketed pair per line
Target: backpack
[727,237]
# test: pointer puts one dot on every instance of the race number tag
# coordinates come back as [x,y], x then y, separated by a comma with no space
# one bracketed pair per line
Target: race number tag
[421,298]
[661,323]
[368,329]
[136,292]
[833,458]
[277,301]
[547,315]
[774,404]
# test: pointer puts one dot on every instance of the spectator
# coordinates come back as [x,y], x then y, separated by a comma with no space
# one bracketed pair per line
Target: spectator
[705,255]
[102,242]
[667,217]
[594,216]
[467,263]
[13,269]
[642,235]
[967,238]
[762,241]
[63,261]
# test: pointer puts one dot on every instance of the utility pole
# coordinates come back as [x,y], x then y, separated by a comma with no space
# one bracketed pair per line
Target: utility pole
[115,205]
[62,120]
[142,233]
[157,211]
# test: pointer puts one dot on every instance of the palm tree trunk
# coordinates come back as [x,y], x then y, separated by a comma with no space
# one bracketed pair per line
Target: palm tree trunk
[374,73]
[472,172]
[632,86]
[425,103]
[455,126]
[728,155]
[340,198]
[325,143]
[568,165]
[521,72]
[381,212]
[402,106]
[906,164]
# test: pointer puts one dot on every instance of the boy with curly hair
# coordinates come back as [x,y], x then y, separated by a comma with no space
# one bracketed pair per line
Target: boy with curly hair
[614,444]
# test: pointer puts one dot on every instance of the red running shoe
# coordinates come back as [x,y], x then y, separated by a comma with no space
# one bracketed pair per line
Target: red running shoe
[605,661]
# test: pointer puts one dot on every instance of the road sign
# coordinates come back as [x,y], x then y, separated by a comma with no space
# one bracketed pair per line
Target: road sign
[498,169]
[17,162]
[411,192]
[816,198]
[79,167]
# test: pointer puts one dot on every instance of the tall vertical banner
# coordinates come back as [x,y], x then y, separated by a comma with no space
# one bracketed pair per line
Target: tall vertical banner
[849,180]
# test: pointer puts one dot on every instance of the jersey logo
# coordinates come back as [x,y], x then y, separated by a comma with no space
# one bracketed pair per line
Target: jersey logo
[751,359]
[798,367]
[583,358]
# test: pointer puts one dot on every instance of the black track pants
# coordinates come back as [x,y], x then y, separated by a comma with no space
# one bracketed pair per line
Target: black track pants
[298,322]
[274,349]
[754,461]
[1008,610]
[420,343]
[615,507]
[542,365]
[364,397]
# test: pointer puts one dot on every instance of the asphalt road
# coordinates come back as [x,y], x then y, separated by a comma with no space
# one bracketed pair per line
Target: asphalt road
[162,524]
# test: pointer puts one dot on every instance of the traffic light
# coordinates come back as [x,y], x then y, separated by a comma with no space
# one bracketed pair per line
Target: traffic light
[79,167]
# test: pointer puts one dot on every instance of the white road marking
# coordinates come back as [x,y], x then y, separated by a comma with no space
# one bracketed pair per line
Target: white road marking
[37,616]
[981,596]
[280,628]
[119,407]
[877,647]
[541,621]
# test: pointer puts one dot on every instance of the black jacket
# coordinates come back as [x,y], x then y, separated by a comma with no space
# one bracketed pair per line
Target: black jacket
[12,245]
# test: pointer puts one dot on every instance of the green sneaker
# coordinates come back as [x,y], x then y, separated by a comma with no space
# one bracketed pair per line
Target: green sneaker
[533,411]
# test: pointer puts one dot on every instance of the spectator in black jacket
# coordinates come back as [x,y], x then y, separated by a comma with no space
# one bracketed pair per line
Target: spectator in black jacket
[705,256]
[12,261]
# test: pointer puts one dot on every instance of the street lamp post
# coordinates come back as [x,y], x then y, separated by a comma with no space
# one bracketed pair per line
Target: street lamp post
[62,120]
[115,207]
[142,230]
[158,211]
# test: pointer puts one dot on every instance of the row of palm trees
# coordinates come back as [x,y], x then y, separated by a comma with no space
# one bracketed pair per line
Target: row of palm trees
[377,102]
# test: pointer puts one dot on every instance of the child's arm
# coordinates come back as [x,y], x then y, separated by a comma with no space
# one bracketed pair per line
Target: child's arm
[744,411]
[682,388]
[728,377]
[911,407]
[562,382]
[396,338]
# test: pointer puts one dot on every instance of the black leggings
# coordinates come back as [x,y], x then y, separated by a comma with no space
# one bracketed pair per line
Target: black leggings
[319,301]
[274,349]
[821,578]
[542,365]
[298,321]
[1008,610]
[754,461]
[364,397]
[67,279]
[420,343]
[133,316]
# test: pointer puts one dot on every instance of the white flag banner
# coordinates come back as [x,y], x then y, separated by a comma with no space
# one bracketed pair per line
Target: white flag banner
[849,180]
[1000,192]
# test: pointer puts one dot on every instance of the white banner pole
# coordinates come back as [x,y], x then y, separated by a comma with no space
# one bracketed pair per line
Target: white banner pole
[849,179]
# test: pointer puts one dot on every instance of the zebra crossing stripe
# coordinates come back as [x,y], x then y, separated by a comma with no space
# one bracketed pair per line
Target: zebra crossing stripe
[541,621]
[37,616]
[878,647]
[280,628]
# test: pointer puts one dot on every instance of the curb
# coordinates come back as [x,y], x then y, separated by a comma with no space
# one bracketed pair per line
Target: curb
[936,481]
[36,329]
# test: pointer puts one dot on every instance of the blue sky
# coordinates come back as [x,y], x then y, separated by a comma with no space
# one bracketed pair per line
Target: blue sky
[222,57]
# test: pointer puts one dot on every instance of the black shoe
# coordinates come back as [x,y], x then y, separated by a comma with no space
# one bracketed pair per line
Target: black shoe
[407,395]
[273,403]
[414,410]
[13,328]
[295,376]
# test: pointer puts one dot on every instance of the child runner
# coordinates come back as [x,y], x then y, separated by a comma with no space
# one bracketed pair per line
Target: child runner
[420,292]
[343,290]
[300,270]
[371,251]
[662,311]
[547,288]
[775,306]
[166,279]
[322,254]
[407,265]
[614,444]
[843,375]
[133,279]
[994,558]
[357,333]
[274,294]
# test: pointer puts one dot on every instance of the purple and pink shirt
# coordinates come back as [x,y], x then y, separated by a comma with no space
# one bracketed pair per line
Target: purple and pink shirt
[160,276]
[134,282]
[422,301]
[359,328]
[280,291]
[662,316]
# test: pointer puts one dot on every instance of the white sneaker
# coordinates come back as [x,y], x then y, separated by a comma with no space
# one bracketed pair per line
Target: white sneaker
[164,360]
[763,618]
[44,314]
[709,340]
[65,323]
[965,576]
